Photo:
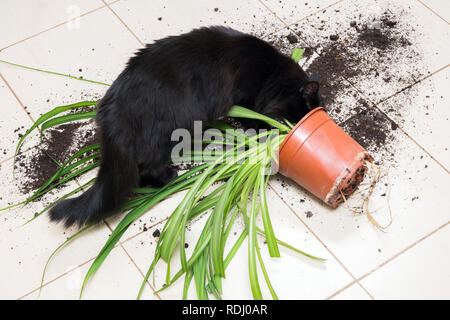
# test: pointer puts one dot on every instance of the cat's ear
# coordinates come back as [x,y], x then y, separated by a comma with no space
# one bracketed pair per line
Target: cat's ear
[309,90]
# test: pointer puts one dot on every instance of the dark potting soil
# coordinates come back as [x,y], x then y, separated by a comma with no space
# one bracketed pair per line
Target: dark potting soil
[346,58]
[36,170]
[59,144]
[369,127]
[156,233]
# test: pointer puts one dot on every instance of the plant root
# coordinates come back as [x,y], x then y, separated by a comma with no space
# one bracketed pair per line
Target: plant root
[366,189]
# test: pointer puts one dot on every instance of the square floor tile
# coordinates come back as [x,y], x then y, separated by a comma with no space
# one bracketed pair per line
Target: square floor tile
[152,20]
[26,247]
[419,273]
[23,18]
[152,216]
[423,112]
[354,292]
[116,279]
[13,122]
[97,50]
[293,11]
[442,8]
[40,94]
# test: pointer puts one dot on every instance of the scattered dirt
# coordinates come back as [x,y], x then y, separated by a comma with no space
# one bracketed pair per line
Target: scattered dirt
[185,166]
[36,170]
[156,233]
[367,53]
[348,57]
[369,127]
[58,144]
[61,142]
[292,38]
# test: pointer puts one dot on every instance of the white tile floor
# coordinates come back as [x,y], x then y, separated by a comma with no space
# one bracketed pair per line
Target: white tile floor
[409,260]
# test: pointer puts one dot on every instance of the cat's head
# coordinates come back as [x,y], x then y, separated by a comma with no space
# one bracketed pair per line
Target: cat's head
[310,95]
[305,98]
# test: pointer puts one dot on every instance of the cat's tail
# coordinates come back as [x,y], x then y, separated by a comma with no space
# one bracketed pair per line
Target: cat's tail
[118,174]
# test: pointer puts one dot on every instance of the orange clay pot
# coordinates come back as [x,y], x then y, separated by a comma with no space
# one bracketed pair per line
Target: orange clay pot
[322,158]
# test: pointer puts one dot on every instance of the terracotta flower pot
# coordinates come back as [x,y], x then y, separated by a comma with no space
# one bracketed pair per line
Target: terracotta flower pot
[322,158]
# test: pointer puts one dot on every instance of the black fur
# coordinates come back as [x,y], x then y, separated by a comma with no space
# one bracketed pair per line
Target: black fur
[199,75]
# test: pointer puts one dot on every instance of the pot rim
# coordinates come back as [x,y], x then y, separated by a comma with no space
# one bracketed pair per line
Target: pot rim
[309,114]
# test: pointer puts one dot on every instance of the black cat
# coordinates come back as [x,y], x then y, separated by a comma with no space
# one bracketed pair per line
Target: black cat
[199,75]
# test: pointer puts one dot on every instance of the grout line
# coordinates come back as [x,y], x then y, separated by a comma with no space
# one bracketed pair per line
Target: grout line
[93,258]
[305,17]
[18,154]
[424,150]
[123,22]
[404,250]
[312,14]
[323,244]
[29,116]
[54,279]
[272,12]
[341,290]
[134,263]
[432,11]
[17,98]
[408,86]
[141,232]
[66,272]
[288,25]
[273,32]
[390,259]
[54,27]
[141,272]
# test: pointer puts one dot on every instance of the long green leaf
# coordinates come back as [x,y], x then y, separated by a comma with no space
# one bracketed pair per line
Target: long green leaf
[67,118]
[55,73]
[51,114]
[297,54]
[217,228]
[241,112]
[67,241]
[270,235]
[252,269]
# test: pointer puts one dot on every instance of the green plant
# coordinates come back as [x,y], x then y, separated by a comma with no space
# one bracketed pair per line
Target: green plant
[242,191]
